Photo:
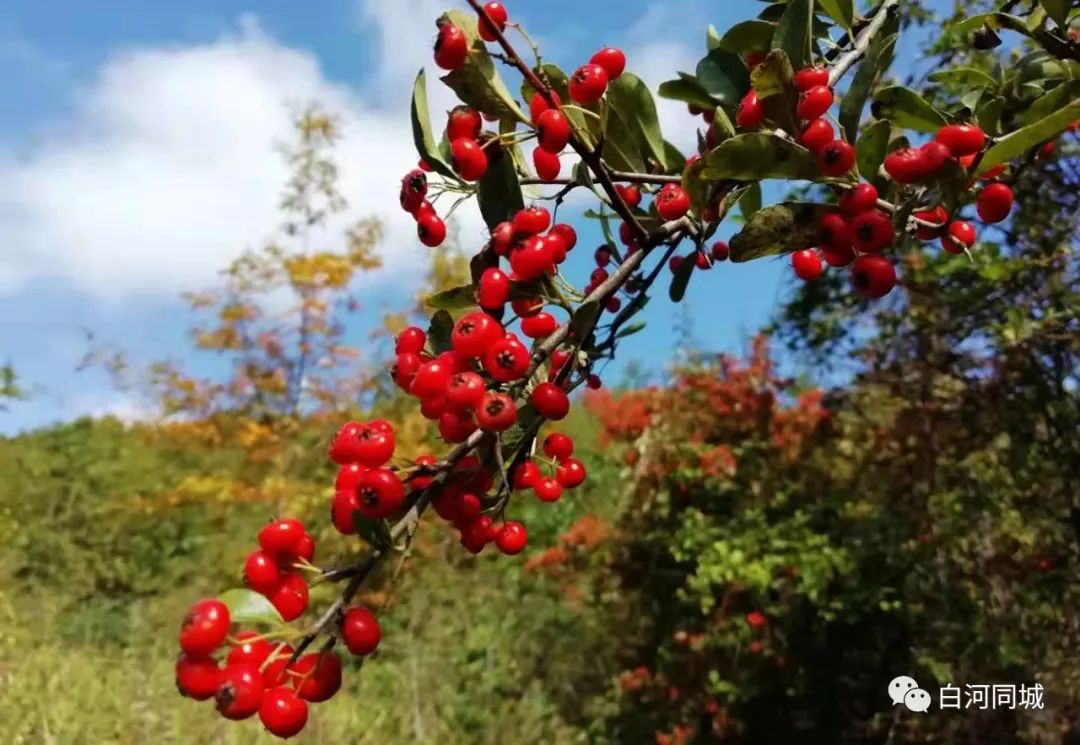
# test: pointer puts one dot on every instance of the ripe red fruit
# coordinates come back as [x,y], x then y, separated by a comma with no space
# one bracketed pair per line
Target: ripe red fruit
[1047,150]
[456,428]
[538,105]
[750,114]
[465,391]
[404,370]
[566,233]
[375,445]
[496,412]
[240,692]
[251,649]
[588,84]
[463,122]
[814,102]
[612,60]
[594,382]
[553,131]
[197,676]
[935,156]
[702,260]
[502,237]
[959,238]
[860,199]
[873,276]
[290,598]
[451,47]
[261,572]
[412,339]
[570,473]
[282,712]
[836,158]
[547,164]
[380,494]
[472,335]
[413,190]
[550,401]
[672,202]
[526,307]
[807,264]
[961,139]
[280,537]
[837,256]
[348,476]
[324,676]
[533,258]
[204,627]
[360,631]
[811,77]
[511,538]
[558,446]
[539,326]
[343,447]
[871,231]
[431,379]
[720,251]
[430,229]
[557,246]
[423,166]
[937,215]
[494,17]
[525,475]
[468,159]
[506,360]
[817,134]
[342,507]
[531,221]
[906,165]
[630,193]
[994,202]
[756,620]
[548,489]
[493,289]
[834,232]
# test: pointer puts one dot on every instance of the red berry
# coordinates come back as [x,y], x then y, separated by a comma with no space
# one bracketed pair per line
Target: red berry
[817,134]
[935,156]
[612,304]
[750,114]
[261,572]
[494,288]
[548,489]
[702,260]
[472,335]
[342,507]
[994,202]
[547,164]
[282,712]
[873,275]
[343,447]
[423,166]
[814,102]
[533,258]
[612,60]
[502,237]
[465,391]
[380,494]
[290,597]
[553,131]
[756,620]
[630,193]
[525,475]
[451,47]
[558,446]
[837,256]
[570,473]
[720,251]
[512,538]
[456,428]
[807,264]
[834,232]
[566,233]
[531,221]
[251,649]
[477,534]
[506,360]
[538,105]
[468,159]
[323,673]
[404,370]
[862,198]
[1047,150]
[197,676]
[836,158]
[526,307]
[811,77]
[959,238]
[413,190]
[961,139]
[430,229]
[204,627]
[494,17]
[588,84]
[431,379]
[753,59]
[939,216]
[594,382]
[672,202]
[422,480]
[375,445]
[906,165]
[675,262]
[539,326]
[496,412]
[360,631]
[463,122]
[412,339]
[550,401]
[240,692]
[871,231]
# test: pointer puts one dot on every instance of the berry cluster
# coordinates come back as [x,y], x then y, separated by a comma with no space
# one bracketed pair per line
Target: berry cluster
[261,673]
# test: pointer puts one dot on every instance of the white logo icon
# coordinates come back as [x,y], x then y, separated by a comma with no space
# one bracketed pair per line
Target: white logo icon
[917,700]
[904,690]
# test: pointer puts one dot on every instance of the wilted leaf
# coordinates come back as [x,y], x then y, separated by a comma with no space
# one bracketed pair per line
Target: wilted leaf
[439,330]
[455,298]
[759,155]
[778,229]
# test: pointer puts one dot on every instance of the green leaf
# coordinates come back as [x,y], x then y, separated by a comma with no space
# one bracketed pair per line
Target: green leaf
[773,82]
[373,532]
[688,90]
[989,114]
[1058,10]
[759,155]
[681,279]
[1047,104]
[778,229]
[584,320]
[477,82]
[247,606]
[674,158]
[632,122]
[695,185]
[439,330]
[872,147]
[723,75]
[421,128]
[748,36]
[907,109]
[750,201]
[455,298]
[793,32]
[964,76]
[630,330]
[877,61]
[499,191]
[1031,136]
[841,11]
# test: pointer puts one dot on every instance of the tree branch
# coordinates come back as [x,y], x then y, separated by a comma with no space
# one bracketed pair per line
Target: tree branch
[862,41]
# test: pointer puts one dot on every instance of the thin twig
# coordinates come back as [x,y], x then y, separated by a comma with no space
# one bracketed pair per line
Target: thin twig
[862,41]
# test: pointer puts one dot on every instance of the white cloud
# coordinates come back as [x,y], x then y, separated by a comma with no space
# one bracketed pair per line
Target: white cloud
[167,169]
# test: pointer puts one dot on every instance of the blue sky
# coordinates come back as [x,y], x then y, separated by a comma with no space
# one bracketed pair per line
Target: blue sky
[136,159]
